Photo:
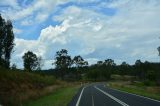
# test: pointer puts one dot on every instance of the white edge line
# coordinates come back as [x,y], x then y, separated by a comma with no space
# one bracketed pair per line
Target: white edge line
[77,104]
[112,97]
[136,95]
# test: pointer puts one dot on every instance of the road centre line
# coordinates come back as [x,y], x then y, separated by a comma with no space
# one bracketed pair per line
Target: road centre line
[112,97]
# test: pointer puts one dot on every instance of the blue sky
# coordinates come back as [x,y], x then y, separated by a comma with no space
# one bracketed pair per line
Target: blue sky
[35,28]
[124,30]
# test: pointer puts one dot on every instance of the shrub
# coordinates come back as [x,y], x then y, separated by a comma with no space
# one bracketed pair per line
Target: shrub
[149,83]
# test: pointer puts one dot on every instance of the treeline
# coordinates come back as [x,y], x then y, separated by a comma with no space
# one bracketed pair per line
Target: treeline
[145,71]
[77,68]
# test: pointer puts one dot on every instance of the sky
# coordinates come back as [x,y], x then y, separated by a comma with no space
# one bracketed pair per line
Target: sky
[123,30]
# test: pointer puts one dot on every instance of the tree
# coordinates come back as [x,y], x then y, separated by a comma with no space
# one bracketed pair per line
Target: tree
[139,66]
[124,64]
[93,74]
[2,36]
[151,75]
[109,62]
[30,61]
[124,68]
[79,61]
[99,63]
[6,42]
[138,62]
[86,63]
[62,61]
[80,64]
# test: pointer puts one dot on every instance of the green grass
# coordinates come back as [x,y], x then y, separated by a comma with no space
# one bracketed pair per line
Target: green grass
[60,97]
[151,92]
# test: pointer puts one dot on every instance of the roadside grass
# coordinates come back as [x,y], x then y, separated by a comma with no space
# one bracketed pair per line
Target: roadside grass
[139,89]
[59,97]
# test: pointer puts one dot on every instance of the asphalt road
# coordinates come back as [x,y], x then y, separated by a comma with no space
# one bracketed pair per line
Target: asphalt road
[100,95]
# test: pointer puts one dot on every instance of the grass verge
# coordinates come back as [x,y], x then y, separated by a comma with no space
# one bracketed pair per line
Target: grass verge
[59,97]
[151,92]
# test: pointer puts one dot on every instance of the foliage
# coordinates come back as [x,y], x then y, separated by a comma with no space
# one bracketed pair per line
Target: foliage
[30,61]
[62,61]
[79,61]
[6,42]
[101,71]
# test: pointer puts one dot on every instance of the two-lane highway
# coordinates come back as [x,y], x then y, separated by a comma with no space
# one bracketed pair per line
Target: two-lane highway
[99,95]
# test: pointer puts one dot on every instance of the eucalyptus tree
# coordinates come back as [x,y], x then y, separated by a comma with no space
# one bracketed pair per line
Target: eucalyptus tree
[30,61]
[62,61]
[6,42]
[78,61]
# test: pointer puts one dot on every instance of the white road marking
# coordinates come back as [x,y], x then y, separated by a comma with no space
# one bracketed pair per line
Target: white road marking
[77,104]
[136,95]
[92,101]
[112,97]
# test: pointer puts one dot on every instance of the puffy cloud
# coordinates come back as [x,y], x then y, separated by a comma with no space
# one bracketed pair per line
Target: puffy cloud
[52,34]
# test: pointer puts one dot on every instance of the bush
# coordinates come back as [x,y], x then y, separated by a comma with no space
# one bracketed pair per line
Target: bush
[149,83]
[151,75]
